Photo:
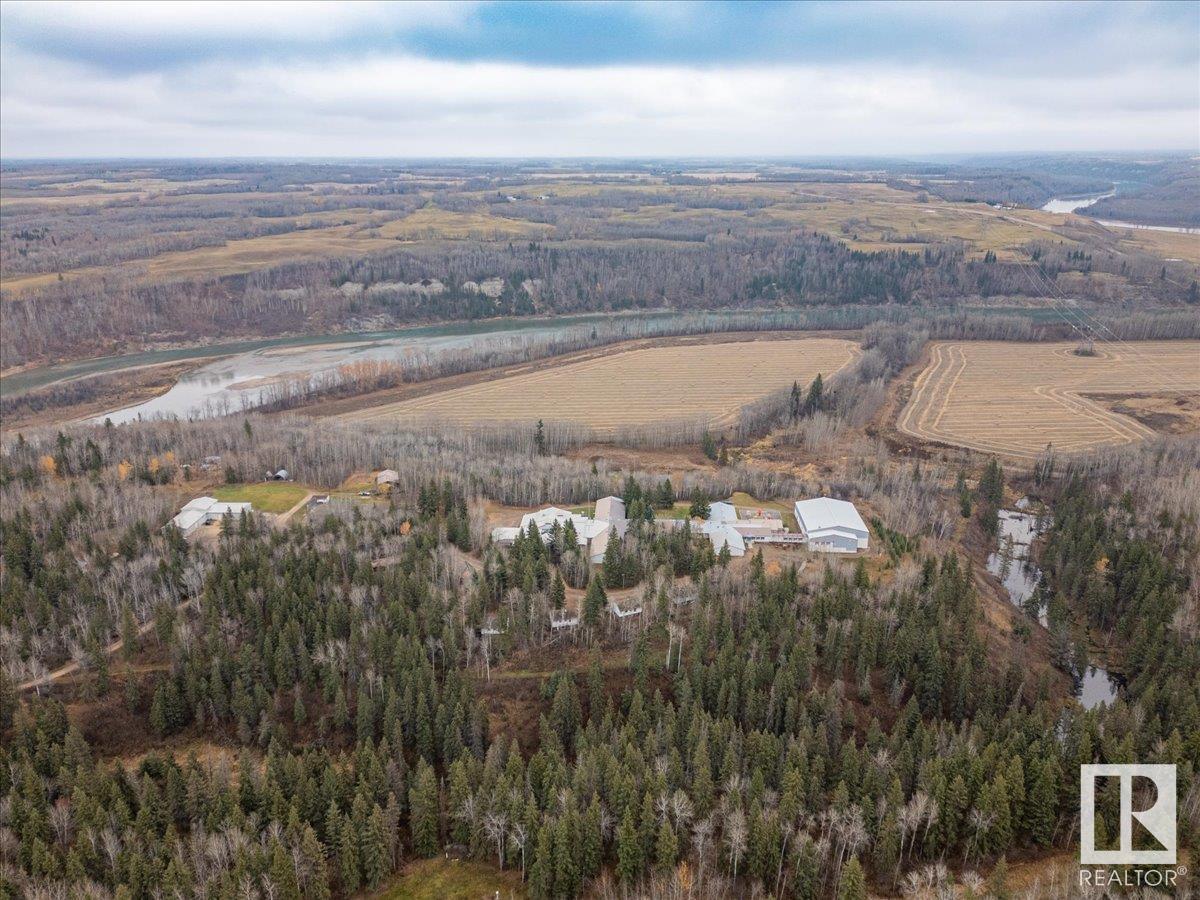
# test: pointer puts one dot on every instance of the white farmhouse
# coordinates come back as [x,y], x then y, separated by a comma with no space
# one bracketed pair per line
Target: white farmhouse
[590,533]
[831,526]
[205,511]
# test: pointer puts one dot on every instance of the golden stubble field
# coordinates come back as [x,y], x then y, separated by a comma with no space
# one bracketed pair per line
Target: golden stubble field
[1013,399]
[646,386]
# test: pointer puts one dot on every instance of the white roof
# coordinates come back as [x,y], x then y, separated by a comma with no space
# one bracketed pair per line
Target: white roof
[610,508]
[823,513]
[204,509]
[600,545]
[505,533]
[387,475]
[757,526]
[722,534]
[545,518]
[189,518]
[585,528]
[200,503]
[721,512]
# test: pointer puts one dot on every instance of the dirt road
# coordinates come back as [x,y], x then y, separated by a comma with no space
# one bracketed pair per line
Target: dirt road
[72,667]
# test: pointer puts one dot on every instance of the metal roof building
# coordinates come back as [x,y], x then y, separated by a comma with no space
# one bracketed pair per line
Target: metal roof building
[721,511]
[722,534]
[610,509]
[205,511]
[832,526]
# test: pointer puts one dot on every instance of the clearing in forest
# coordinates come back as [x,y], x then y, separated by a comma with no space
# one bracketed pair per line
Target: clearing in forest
[697,383]
[1014,399]
[268,496]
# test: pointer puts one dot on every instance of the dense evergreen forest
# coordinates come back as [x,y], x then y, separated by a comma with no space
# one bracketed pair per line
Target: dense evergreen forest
[802,731]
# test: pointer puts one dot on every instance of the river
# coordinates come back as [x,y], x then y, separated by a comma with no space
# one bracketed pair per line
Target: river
[21,382]
[211,388]
[237,382]
[238,374]
[1074,204]
[1071,204]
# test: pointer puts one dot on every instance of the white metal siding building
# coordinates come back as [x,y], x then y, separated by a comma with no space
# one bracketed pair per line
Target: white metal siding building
[205,511]
[831,526]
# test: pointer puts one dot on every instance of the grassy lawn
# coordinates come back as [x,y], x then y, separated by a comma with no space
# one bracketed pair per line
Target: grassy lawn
[269,496]
[434,879]
[678,511]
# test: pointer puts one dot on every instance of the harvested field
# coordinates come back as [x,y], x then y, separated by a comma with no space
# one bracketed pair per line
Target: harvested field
[646,386]
[431,223]
[1013,399]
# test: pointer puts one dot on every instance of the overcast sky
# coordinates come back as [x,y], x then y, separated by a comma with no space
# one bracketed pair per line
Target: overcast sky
[595,78]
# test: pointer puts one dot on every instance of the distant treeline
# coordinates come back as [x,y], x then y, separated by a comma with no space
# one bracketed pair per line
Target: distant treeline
[764,272]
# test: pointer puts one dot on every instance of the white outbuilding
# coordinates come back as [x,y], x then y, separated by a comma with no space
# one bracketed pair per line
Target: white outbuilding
[722,534]
[831,526]
[206,511]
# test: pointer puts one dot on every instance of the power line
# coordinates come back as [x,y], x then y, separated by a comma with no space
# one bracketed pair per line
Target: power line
[1078,318]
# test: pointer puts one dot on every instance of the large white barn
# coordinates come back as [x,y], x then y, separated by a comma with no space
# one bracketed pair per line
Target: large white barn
[205,511]
[831,526]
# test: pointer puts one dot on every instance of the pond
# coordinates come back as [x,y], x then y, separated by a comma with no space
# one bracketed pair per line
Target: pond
[1098,687]
[1010,563]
